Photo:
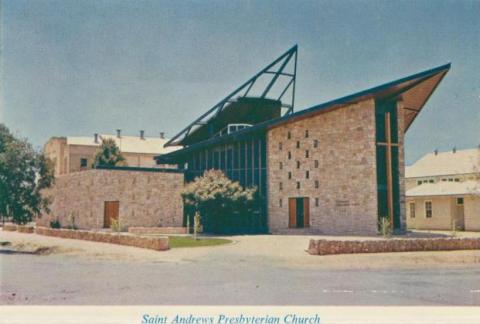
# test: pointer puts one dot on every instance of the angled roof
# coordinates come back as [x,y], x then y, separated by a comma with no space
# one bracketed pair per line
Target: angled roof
[127,144]
[415,90]
[445,163]
[445,188]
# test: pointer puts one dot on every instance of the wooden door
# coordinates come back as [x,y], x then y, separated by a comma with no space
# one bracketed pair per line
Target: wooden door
[110,212]
[292,212]
[306,212]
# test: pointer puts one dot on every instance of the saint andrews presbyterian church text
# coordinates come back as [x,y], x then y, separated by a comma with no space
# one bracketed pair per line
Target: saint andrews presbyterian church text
[334,168]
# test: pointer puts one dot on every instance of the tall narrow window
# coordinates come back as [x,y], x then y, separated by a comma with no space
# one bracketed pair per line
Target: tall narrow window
[280,186]
[289,175]
[280,202]
[315,143]
[306,133]
[280,146]
[307,153]
[428,209]
[289,135]
[289,155]
[307,174]
[316,163]
[316,202]
[317,184]
[412,209]
[298,144]
[298,164]
[298,184]
[280,165]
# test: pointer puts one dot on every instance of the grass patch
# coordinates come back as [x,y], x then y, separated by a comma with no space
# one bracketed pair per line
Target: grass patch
[188,241]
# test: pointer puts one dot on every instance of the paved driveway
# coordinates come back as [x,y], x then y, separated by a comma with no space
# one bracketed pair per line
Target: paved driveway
[253,270]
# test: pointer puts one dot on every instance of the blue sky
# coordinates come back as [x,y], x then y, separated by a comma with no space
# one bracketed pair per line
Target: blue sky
[80,67]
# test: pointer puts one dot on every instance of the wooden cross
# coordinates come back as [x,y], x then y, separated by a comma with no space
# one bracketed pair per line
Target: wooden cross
[388,144]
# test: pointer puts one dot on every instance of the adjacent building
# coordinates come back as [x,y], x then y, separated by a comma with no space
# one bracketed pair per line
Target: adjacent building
[443,191]
[74,153]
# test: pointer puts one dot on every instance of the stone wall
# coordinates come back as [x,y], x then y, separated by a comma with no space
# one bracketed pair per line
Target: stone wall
[401,163]
[157,230]
[326,247]
[152,243]
[150,199]
[346,172]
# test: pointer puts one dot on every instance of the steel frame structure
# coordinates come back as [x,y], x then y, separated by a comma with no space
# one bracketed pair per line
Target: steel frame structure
[282,62]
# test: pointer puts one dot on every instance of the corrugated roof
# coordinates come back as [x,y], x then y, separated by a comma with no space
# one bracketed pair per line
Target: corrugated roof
[127,144]
[445,163]
[445,188]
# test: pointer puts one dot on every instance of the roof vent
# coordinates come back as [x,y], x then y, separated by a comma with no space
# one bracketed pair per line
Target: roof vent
[454,150]
[119,133]
[95,138]
[142,134]
[162,135]
[436,151]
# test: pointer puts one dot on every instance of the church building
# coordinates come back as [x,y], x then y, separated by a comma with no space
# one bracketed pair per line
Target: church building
[334,168]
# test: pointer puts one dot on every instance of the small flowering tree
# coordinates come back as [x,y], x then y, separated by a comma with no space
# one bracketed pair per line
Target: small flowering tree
[217,199]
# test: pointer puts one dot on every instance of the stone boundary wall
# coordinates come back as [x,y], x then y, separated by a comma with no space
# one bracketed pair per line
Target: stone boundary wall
[157,230]
[152,243]
[25,229]
[326,247]
[10,227]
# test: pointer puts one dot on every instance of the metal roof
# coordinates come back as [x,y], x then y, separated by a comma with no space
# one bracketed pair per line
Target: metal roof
[445,188]
[414,90]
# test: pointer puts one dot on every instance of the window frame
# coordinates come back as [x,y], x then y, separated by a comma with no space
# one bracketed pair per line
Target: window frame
[426,209]
[459,204]
[410,204]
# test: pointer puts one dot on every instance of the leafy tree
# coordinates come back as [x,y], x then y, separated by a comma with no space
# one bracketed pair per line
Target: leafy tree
[109,154]
[218,200]
[24,172]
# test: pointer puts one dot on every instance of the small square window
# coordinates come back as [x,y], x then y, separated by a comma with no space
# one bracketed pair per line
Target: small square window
[460,201]
[298,144]
[83,162]
[450,179]
[317,184]
[307,174]
[419,182]
[457,180]
[306,133]
[431,181]
[298,184]
[316,202]
[298,164]
[316,163]
[315,143]
[289,175]
[307,153]
[289,135]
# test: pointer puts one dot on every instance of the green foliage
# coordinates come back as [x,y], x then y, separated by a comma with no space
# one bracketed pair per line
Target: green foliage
[55,223]
[114,225]
[72,221]
[24,173]
[216,198]
[109,154]
[188,241]
[385,227]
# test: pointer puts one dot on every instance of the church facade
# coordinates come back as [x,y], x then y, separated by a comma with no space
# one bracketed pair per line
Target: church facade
[334,168]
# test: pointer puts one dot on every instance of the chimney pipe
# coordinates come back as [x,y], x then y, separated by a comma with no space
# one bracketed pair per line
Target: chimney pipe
[119,133]
[436,151]
[142,134]
[95,138]
[162,135]
[454,150]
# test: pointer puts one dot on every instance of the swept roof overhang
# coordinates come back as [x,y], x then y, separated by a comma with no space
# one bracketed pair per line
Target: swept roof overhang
[413,90]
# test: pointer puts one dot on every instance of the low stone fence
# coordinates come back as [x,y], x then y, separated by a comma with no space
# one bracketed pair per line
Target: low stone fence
[325,247]
[153,243]
[10,227]
[25,229]
[157,230]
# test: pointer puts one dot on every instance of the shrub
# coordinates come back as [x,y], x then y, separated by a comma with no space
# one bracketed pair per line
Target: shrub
[115,225]
[384,226]
[55,223]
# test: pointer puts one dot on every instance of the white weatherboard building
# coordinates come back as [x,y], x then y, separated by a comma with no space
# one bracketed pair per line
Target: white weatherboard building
[443,191]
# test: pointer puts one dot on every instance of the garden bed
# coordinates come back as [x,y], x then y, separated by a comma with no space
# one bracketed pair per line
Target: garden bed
[152,243]
[157,230]
[326,247]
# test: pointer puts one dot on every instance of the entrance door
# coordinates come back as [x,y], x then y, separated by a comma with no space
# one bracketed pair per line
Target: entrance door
[299,212]
[110,212]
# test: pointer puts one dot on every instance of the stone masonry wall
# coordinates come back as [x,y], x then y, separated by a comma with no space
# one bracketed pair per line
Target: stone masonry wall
[346,172]
[149,199]
[401,163]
